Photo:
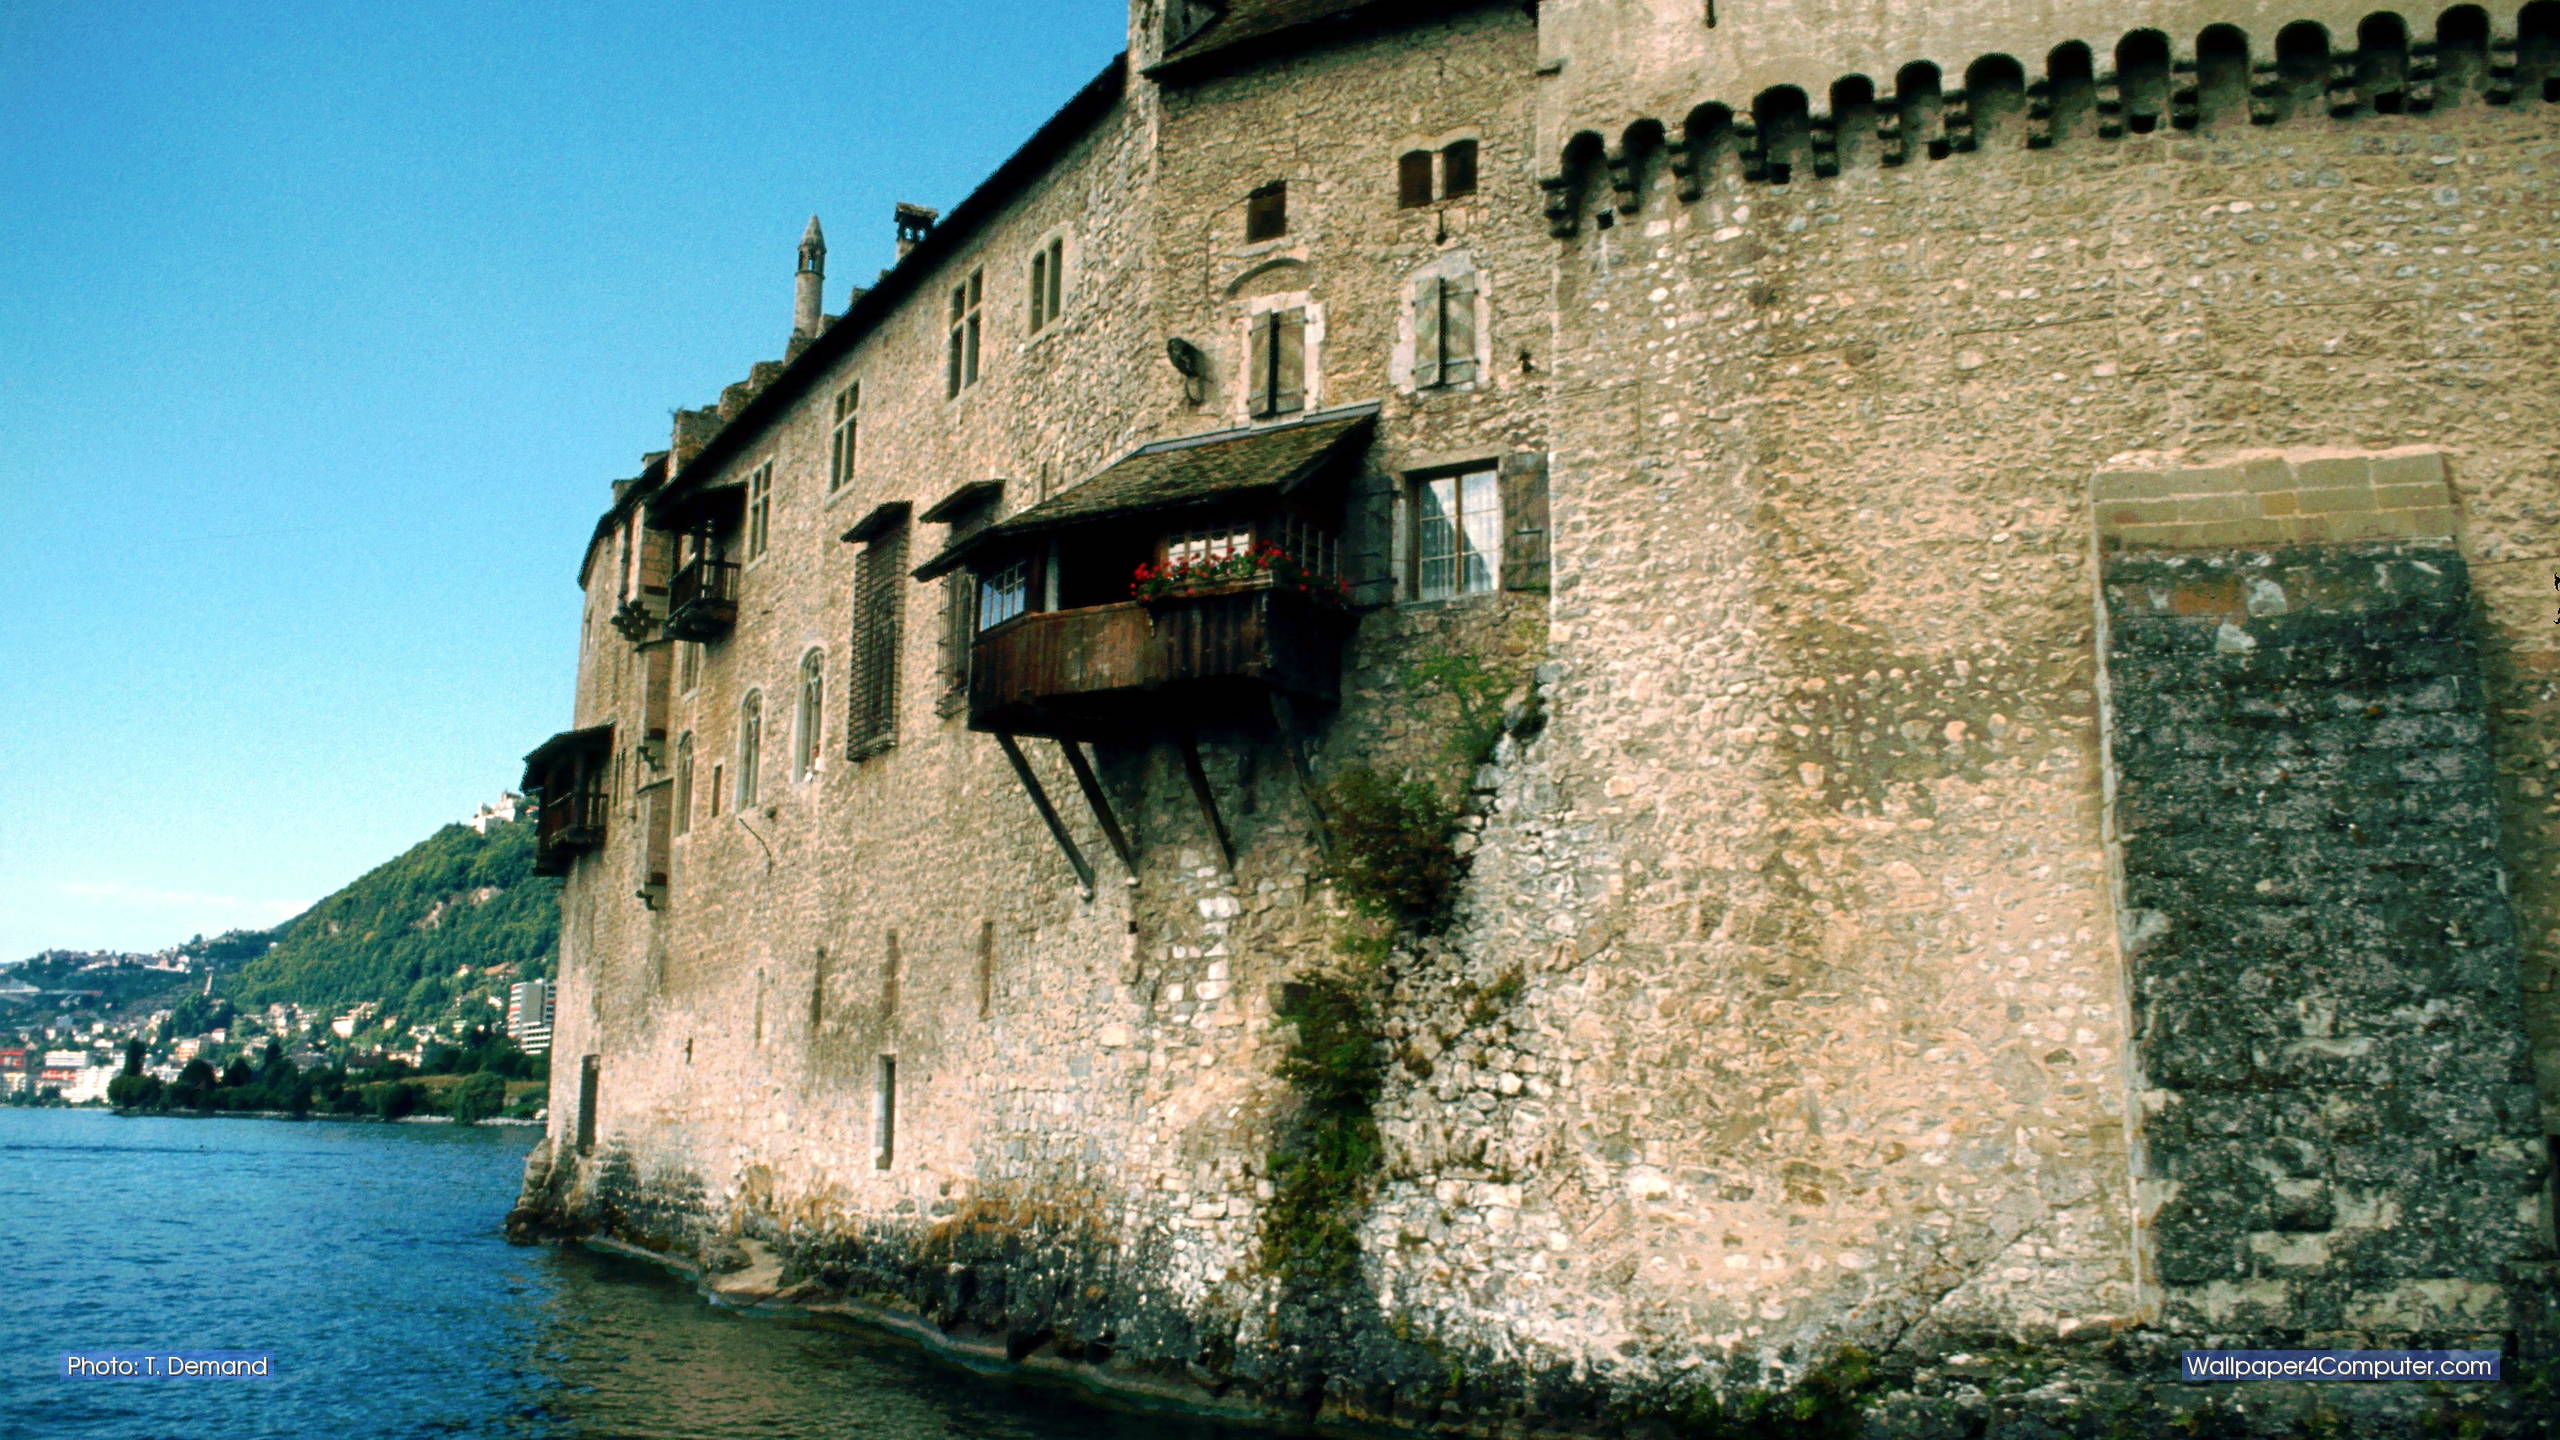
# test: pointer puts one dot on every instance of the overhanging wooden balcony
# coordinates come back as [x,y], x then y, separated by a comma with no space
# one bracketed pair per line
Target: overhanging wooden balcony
[565,775]
[702,600]
[1118,671]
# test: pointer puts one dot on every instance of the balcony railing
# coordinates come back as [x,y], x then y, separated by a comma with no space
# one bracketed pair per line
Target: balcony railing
[1111,670]
[702,600]
[567,825]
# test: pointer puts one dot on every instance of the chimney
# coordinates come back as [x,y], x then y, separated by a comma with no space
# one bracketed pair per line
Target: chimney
[914,223]
[805,318]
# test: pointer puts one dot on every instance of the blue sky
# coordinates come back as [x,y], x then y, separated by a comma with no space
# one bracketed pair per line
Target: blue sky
[323,328]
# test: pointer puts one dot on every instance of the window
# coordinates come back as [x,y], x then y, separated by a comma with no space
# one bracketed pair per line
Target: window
[1457,173]
[842,441]
[884,1115]
[871,711]
[717,770]
[1278,365]
[1456,534]
[1444,330]
[1201,547]
[1048,283]
[964,332]
[812,715]
[1266,212]
[1458,169]
[750,744]
[759,508]
[1003,594]
[688,666]
[1413,178]
[684,782]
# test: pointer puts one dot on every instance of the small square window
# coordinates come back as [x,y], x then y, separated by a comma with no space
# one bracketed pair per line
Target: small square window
[1458,169]
[1413,179]
[1266,212]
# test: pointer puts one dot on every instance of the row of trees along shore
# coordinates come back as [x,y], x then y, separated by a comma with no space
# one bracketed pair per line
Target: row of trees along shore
[467,1083]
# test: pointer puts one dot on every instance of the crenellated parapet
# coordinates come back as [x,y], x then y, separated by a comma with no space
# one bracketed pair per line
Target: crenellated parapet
[2148,80]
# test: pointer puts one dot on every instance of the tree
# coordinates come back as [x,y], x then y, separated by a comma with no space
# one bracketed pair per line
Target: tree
[479,1096]
[195,1085]
[133,1052]
[130,1091]
[237,1074]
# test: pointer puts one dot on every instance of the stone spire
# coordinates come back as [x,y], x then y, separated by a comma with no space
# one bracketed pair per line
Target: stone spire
[811,280]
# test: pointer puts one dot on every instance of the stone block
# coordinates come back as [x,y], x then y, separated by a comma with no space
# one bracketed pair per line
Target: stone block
[2424,467]
[2336,499]
[2333,472]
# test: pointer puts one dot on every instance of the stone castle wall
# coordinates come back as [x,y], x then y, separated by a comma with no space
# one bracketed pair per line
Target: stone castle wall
[1790,1003]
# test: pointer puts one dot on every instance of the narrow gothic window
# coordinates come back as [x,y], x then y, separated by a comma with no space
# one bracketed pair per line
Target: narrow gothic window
[684,783]
[1048,283]
[812,715]
[1266,212]
[759,508]
[841,442]
[1444,330]
[750,744]
[871,710]
[1456,533]
[1278,368]
[963,354]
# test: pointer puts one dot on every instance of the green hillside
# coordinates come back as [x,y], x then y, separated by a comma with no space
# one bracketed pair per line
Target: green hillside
[401,933]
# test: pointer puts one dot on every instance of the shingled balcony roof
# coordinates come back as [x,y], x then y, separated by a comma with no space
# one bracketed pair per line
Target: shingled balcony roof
[1178,474]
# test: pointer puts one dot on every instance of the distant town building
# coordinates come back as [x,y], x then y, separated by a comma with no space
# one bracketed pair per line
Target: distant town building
[497,812]
[529,1016]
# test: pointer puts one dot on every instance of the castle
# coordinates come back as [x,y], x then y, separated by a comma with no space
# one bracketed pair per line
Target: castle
[1519,717]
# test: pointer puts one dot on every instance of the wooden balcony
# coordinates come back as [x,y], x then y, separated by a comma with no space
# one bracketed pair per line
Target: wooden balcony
[702,600]
[1112,671]
[567,825]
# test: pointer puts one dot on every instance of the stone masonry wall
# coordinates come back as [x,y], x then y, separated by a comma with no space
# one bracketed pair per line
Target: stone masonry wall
[2323,959]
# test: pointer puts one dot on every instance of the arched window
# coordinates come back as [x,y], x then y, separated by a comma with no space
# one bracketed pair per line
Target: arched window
[750,743]
[813,712]
[684,782]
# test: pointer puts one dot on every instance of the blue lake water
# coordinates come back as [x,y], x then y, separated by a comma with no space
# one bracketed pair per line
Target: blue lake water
[368,1259]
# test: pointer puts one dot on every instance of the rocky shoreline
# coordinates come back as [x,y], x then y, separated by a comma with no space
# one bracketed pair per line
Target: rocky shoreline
[1038,1306]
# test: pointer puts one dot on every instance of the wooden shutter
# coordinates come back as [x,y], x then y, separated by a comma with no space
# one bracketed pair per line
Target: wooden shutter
[1426,332]
[1258,365]
[1458,329]
[871,708]
[1289,362]
[1525,552]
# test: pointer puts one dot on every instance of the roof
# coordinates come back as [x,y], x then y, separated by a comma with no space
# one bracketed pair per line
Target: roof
[594,737]
[1192,470]
[1246,29]
[628,495]
[1055,137]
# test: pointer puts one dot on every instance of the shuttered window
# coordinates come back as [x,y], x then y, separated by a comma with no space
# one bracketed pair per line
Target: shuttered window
[1444,330]
[871,714]
[1277,372]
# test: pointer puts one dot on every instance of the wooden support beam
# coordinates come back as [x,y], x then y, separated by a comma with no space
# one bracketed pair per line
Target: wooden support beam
[1208,802]
[1048,812]
[1284,717]
[1101,805]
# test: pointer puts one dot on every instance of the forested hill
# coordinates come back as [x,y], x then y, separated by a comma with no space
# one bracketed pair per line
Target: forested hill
[400,934]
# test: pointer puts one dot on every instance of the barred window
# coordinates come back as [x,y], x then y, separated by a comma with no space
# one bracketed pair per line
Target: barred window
[871,712]
[843,439]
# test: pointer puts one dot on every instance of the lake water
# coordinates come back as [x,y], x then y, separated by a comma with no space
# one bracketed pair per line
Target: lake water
[367,1258]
